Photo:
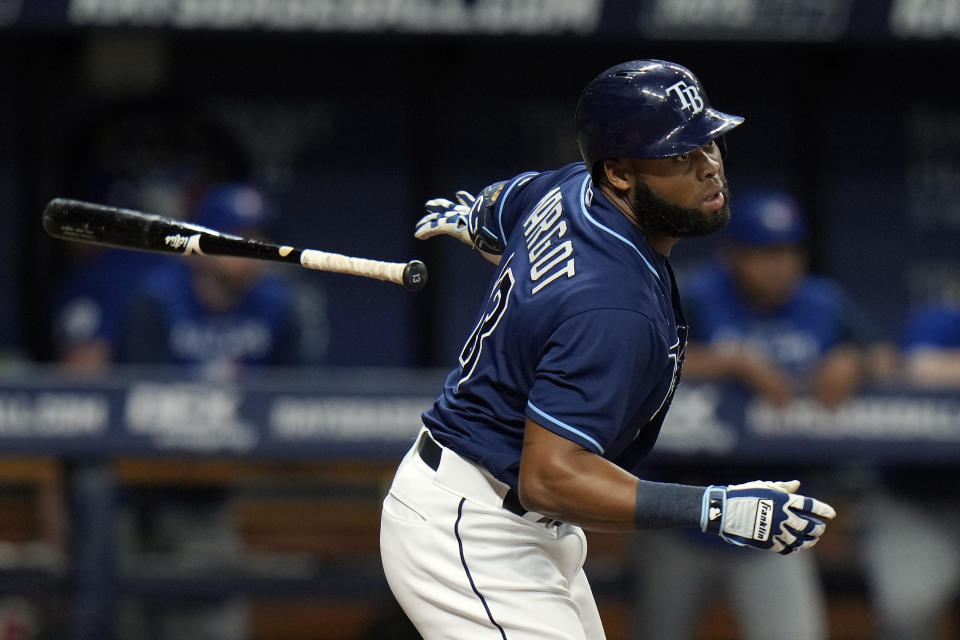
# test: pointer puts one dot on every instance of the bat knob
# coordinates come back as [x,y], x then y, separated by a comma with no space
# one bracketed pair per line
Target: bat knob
[414,275]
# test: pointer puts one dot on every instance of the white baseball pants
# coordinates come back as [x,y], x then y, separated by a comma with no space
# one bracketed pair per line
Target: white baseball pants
[463,567]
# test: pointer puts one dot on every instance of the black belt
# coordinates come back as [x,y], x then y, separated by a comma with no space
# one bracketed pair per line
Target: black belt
[430,453]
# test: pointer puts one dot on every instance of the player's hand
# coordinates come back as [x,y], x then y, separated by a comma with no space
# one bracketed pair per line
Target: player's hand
[838,377]
[445,217]
[765,515]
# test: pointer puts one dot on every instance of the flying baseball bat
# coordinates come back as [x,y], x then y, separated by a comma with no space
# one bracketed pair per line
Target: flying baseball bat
[129,229]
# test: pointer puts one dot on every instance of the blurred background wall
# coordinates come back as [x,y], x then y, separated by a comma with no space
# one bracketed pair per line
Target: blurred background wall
[352,113]
[355,113]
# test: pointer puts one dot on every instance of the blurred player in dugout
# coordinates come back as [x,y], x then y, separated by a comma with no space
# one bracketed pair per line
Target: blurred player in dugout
[759,320]
[222,314]
[217,314]
[215,317]
[909,551]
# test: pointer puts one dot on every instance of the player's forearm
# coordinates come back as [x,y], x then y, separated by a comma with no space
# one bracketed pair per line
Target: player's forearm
[612,499]
[708,362]
[935,368]
[582,489]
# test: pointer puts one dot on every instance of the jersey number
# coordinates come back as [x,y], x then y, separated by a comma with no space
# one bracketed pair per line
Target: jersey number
[497,306]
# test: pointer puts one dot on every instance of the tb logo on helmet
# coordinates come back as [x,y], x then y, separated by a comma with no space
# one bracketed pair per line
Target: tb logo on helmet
[689,96]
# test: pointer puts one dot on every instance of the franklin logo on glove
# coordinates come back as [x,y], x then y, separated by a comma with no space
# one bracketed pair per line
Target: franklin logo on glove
[764,516]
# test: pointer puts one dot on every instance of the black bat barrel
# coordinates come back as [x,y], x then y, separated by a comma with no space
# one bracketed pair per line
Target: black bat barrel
[129,229]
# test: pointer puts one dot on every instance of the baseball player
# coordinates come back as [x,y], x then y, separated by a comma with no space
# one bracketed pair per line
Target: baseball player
[914,586]
[563,384]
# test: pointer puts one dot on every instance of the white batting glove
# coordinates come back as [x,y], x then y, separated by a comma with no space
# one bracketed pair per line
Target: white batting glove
[460,219]
[446,218]
[765,515]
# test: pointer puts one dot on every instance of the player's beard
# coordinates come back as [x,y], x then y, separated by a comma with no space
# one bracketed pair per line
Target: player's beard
[656,215]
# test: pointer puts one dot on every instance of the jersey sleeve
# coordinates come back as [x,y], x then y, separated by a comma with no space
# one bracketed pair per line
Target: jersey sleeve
[496,212]
[578,387]
[932,328]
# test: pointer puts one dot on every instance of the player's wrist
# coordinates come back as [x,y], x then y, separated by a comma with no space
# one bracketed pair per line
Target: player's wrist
[712,508]
[661,505]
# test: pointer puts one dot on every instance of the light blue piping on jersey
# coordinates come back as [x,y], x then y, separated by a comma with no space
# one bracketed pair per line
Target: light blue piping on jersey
[519,180]
[583,207]
[567,427]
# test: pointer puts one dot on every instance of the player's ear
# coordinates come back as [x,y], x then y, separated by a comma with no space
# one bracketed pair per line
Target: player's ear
[618,173]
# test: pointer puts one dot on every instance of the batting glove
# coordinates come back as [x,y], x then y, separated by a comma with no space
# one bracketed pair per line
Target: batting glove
[446,218]
[460,219]
[765,515]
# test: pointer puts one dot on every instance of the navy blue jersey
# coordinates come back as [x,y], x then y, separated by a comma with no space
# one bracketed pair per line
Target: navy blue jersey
[582,332]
